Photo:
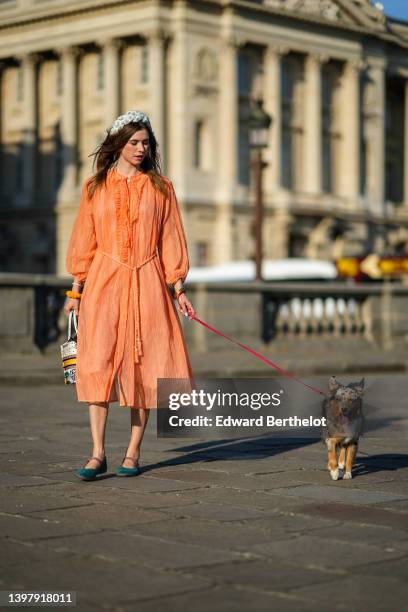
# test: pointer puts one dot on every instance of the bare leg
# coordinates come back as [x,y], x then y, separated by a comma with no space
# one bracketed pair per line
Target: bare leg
[98,414]
[138,422]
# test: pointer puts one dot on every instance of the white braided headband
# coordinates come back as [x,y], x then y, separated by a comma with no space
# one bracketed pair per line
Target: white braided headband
[129,117]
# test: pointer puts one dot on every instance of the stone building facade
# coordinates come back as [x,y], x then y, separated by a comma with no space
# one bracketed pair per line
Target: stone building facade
[333,75]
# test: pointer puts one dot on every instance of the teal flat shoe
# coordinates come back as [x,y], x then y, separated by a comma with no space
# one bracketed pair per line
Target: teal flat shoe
[124,471]
[91,473]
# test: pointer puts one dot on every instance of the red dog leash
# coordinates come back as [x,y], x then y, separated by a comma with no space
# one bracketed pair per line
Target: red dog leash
[264,359]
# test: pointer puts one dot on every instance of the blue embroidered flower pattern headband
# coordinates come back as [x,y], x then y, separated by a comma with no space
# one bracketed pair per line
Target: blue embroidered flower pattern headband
[129,117]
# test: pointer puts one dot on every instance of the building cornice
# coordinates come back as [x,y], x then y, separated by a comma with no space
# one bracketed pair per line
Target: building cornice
[17,20]
[393,31]
[248,6]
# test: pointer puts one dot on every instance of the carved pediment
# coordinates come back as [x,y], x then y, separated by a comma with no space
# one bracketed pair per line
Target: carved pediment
[367,14]
[348,12]
[325,9]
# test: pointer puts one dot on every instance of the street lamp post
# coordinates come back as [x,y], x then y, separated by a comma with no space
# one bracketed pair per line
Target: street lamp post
[258,123]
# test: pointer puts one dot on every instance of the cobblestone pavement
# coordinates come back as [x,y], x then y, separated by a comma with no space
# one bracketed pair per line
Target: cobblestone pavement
[227,525]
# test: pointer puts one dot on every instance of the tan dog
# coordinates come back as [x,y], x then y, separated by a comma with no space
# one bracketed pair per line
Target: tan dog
[342,409]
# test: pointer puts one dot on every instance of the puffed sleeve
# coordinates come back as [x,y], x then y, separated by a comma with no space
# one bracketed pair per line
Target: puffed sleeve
[172,241]
[82,244]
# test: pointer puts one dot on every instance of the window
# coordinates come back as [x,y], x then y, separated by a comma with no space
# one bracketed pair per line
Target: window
[19,170]
[364,160]
[59,164]
[243,73]
[286,158]
[297,244]
[394,140]
[243,155]
[249,71]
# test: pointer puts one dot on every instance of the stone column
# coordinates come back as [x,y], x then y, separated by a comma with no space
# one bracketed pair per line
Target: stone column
[272,105]
[277,234]
[228,118]
[312,157]
[68,194]
[348,180]
[157,43]
[179,146]
[69,119]
[375,137]
[30,109]
[227,147]
[406,146]
[111,51]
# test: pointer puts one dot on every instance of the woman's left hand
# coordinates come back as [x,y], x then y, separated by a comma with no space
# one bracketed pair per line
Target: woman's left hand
[185,306]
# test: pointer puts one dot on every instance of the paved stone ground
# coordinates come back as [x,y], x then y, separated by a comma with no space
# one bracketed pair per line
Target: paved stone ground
[310,356]
[226,525]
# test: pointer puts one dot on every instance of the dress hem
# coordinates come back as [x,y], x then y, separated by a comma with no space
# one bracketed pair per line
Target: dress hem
[94,401]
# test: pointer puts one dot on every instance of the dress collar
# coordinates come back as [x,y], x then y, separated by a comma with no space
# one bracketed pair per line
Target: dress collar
[116,176]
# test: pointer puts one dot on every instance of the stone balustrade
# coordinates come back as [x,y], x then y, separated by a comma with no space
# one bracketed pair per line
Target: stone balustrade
[32,317]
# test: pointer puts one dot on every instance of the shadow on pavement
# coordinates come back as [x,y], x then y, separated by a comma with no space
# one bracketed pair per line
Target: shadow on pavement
[379,463]
[259,447]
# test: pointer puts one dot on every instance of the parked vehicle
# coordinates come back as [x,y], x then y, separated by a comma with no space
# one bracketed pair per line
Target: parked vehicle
[294,269]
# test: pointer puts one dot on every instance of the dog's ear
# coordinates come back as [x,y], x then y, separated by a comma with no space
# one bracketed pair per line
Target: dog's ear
[360,387]
[333,384]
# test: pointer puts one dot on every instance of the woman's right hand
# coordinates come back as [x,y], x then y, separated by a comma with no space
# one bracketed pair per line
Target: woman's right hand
[71,304]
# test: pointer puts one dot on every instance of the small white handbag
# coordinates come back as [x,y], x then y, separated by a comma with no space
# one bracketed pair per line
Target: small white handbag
[69,351]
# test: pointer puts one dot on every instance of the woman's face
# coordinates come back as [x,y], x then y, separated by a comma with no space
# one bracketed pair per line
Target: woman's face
[136,148]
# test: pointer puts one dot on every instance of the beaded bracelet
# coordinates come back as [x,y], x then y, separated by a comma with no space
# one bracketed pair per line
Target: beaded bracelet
[73,295]
[178,292]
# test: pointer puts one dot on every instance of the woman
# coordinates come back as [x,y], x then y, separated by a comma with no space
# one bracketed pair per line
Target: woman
[127,245]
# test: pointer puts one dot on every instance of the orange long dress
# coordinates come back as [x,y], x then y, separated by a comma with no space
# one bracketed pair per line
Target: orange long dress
[128,243]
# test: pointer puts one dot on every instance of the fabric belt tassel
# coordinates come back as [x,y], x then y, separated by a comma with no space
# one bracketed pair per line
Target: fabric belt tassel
[135,297]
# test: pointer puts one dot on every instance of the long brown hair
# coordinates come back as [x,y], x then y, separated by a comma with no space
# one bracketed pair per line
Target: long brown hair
[107,154]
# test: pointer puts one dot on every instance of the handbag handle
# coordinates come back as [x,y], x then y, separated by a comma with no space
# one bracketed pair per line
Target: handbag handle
[72,319]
